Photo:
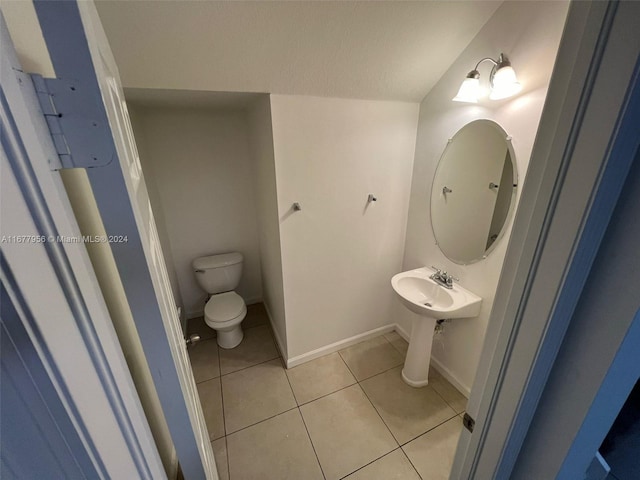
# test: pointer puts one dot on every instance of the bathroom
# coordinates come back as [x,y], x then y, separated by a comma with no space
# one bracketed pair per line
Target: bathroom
[288,178]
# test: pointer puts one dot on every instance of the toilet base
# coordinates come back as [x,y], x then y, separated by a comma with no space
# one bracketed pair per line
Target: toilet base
[229,339]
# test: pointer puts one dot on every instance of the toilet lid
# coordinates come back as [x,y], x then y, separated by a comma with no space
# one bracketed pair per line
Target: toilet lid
[224,307]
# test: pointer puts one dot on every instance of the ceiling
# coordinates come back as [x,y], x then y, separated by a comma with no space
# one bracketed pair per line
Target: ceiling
[192,99]
[387,50]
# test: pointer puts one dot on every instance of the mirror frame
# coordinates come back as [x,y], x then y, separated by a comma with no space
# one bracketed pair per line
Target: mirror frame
[514,193]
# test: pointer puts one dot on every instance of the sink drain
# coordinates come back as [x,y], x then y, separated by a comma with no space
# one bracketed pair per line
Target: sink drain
[427,304]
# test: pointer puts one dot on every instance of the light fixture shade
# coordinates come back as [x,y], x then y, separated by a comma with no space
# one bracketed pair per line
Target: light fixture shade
[504,83]
[469,91]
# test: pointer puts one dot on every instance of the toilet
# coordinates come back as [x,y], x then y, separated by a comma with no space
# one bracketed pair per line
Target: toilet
[219,275]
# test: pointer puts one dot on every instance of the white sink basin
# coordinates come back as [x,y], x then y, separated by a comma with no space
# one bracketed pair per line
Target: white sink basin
[431,302]
[424,296]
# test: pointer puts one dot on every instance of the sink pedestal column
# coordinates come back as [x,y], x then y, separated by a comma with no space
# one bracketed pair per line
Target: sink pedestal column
[416,366]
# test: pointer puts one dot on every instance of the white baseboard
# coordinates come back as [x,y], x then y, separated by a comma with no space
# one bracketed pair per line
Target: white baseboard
[252,301]
[334,347]
[194,314]
[453,380]
[279,343]
[402,332]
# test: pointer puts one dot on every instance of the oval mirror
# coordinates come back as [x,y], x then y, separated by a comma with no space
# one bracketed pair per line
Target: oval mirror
[473,192]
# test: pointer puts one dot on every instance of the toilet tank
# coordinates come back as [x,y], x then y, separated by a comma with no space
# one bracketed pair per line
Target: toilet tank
[218,273]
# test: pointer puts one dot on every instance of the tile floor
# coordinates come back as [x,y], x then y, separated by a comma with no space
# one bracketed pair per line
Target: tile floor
[346,415]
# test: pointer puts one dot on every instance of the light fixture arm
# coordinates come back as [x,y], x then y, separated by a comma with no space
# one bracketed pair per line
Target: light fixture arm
[496,63]
[487,59]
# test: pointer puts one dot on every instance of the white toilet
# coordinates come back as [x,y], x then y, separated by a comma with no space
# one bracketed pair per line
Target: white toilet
[219,275]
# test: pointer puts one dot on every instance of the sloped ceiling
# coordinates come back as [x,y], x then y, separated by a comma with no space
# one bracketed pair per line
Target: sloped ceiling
[387,50]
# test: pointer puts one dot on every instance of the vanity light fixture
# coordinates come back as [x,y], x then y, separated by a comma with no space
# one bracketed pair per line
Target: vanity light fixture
[502,79]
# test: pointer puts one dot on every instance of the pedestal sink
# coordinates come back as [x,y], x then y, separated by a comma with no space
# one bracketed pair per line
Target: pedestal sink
[431,302]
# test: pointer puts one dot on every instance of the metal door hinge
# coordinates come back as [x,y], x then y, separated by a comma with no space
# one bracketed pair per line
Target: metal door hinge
[77,123]
[468,422]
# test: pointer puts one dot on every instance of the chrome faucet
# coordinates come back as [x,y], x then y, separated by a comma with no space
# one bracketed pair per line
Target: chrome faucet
[442,278]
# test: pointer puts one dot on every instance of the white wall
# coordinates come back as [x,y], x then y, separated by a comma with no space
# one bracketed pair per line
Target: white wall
[338,254]
[529,34]
[156,205]
[200,163]
[264,177]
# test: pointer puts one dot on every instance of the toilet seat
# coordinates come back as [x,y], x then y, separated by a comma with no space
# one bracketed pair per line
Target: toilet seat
[224,307]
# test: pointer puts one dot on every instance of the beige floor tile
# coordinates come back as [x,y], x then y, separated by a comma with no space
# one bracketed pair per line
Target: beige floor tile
[432,453]
[276,449]
[319,377]
[257,346]
[346,431]
[220,453]
[407,411]
[204,360]
[256,316]
[452,396]
[398,342]
[393,466]
[197,325]
[371,357]
[255,394]
[211,400]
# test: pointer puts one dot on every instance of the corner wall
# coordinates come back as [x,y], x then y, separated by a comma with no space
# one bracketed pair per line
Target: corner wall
[339,252]
[158,213]
[264,181]
[529,34]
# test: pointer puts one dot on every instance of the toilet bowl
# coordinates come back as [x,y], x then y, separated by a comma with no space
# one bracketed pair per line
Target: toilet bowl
[224,313]
[219,275]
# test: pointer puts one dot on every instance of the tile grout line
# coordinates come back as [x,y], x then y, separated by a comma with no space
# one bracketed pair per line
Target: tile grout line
[405,453]
[372,461]
[250,366]
[423,433]
[412,464]
[243,368]
[367,396]
[385,424]
[261,421]
[224,420]
[313,447]
[371,376]
[374,408]
[299,405]
[226,448]
[430,430]
[327,394]
[398,350]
